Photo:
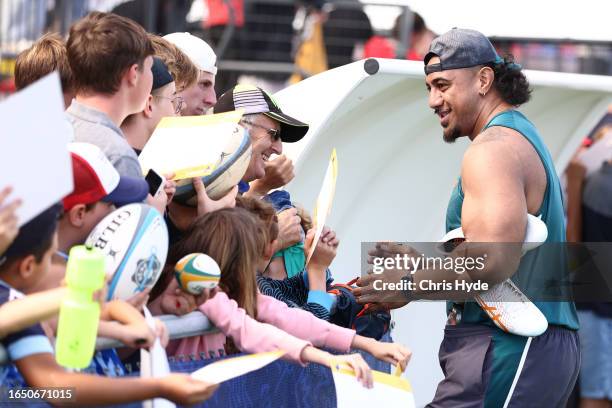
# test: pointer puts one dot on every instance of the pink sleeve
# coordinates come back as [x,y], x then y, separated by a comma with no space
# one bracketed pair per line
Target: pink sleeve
[303,324]
[248,334]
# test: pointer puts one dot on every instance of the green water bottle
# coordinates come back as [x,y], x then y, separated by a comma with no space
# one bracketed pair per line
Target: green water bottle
[79,313]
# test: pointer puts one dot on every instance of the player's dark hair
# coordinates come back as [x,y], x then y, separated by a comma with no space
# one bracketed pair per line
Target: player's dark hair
[510,82]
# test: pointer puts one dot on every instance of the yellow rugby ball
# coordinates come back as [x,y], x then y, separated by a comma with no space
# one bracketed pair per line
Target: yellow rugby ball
[196,272]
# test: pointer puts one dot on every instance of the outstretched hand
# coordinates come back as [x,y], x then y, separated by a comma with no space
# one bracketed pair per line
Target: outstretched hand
[186,390]
[206,204]
[392,353]
[373,288]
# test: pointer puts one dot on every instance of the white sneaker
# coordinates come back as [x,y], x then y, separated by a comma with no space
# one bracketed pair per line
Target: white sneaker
[504,303]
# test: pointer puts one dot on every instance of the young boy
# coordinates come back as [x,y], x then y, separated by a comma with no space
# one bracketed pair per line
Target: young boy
[98,189]
[111,58]
[25,263]
[163,101]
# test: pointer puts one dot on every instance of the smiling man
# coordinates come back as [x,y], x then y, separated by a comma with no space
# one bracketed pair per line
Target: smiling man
[268,126]
[507,172]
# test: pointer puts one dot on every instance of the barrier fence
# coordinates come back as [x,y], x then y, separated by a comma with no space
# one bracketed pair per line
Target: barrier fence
[280,384]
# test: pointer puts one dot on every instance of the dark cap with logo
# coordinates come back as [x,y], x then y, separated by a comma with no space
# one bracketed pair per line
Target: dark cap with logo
[460,48]
[255,100]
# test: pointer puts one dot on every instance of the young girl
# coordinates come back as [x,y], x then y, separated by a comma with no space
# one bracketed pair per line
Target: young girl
[236,239]
[312,289]
[305,290]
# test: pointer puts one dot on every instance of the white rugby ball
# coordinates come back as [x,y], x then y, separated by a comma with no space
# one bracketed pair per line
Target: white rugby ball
[535,235]
[228,171]
[134,239]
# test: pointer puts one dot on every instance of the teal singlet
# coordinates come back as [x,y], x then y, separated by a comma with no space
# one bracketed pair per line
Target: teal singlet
[534,268]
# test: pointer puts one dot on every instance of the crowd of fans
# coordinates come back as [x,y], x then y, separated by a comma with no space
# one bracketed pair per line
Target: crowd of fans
[118,82]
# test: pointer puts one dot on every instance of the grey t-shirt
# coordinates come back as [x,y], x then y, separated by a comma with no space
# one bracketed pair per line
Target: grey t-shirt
[95,127]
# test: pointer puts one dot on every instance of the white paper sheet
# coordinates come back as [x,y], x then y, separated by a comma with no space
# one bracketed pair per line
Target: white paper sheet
[154,363]
[34,156]
[324,201]
[227,369]
[388,391]
[190,142]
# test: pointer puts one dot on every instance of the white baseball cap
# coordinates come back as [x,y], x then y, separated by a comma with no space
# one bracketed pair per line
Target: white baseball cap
[95,179]
[196,49]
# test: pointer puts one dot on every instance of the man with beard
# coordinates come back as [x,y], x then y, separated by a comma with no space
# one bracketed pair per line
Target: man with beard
[507,172]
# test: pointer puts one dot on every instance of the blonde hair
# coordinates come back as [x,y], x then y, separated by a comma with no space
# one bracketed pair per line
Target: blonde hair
[43,57]
[183,71]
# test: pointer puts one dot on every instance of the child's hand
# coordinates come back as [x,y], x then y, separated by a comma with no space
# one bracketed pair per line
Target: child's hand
[393,353]
[205,295]
[329,237]
[325,251]
[206,204]
[184,389]
[140,335]
[358,364]
[139,299]
[134,335]
[159,202]
[169,186]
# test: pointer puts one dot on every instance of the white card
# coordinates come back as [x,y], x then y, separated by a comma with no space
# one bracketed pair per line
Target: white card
[227,369]
[154,363]
[189,146]
[389,391]
[34,157]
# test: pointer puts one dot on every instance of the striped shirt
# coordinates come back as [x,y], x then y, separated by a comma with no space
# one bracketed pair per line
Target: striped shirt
[294,292]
